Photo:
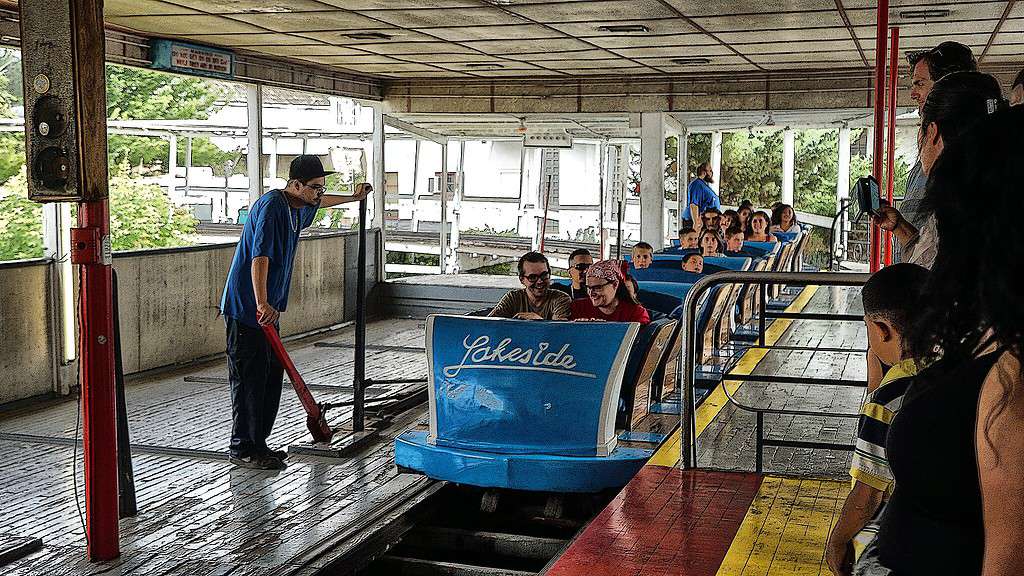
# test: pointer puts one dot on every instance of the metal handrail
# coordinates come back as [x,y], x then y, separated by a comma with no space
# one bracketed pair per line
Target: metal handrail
[689,328]
[782,411]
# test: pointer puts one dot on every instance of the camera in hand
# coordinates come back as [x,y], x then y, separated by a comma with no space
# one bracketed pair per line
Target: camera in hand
[866,192]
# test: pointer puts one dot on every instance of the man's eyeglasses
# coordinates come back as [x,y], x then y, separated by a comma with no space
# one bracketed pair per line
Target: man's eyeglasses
[534,278]
[318,188]
[581,267]
[596,287]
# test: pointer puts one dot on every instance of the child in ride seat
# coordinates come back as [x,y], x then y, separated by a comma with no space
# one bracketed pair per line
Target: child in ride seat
[734,239]
[693,262]
[711,243]
[643,255]
[890,297]
[688,238]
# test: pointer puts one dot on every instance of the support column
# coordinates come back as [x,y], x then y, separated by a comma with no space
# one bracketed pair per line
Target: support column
[716,159]
[788,164]
[683,175]
[378,184]
[188,164]
[652,178]
[602,232]
[414,224]
[254,151]
[452,266]
[443,191]
[272,164]
[843,187]
[57,224]
[172,163]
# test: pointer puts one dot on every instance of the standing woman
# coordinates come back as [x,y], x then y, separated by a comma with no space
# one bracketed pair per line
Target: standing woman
[956,447]
[758,231]
[784,219]
[609,298]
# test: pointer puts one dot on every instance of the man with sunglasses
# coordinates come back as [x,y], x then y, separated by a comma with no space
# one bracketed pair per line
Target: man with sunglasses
[579,261]
[535,300]
[255,295]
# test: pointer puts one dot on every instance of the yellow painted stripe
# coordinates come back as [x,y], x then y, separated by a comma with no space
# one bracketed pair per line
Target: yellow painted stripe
[786,528]
[668,453]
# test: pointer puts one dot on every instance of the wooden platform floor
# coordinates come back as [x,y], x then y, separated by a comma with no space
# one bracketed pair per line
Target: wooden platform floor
[199,515]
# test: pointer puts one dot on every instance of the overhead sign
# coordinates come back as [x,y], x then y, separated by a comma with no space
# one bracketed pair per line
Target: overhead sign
[192,59]
[525,387]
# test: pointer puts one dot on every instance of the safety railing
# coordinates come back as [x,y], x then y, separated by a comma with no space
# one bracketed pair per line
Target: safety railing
[688,358]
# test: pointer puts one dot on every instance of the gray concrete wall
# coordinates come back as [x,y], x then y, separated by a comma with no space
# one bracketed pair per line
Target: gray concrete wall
[26,349]
[169,303]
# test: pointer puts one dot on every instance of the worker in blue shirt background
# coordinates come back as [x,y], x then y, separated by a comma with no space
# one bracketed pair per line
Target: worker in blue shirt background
[256,293]
[700,196]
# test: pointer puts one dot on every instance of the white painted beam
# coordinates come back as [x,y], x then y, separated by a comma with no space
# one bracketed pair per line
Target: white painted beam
[788,164]
[254,151]
[415,130]
[652,178]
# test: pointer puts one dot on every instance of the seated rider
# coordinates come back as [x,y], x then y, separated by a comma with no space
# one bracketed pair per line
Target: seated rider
[711,243]
[535,300]
[643,255]
[729,219]
[734,240]
[758,230]
[579,261]
[890,298]
[609,297]
[693,262]
[687,238]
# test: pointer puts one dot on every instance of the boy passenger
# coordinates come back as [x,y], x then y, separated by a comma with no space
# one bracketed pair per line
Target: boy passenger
[688,238]
[579,261]
[734,240]
[643,255]
[535,300]
[890,298]
[693,262]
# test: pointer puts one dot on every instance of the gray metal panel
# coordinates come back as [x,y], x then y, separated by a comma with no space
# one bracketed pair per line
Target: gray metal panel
[26,358]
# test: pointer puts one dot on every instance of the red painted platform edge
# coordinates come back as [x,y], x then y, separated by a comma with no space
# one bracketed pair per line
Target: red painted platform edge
[665,521]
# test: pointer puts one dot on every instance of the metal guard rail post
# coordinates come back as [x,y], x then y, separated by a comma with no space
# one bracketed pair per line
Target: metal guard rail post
[689,330]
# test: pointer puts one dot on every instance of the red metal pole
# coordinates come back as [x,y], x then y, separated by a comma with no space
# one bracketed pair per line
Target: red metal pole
[877,160]
[890,157]
[99,432]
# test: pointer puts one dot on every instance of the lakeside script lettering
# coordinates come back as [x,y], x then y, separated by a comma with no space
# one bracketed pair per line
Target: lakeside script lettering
[480,354]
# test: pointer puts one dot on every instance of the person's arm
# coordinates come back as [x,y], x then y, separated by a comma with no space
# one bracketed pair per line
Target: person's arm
[265,313]
[1000,448]
[503,309]
[698,224]
[860,506]
[889,218]
[562,309]
[331,200]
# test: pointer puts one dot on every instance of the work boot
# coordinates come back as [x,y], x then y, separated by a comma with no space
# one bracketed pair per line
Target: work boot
[258,462]
[279,454]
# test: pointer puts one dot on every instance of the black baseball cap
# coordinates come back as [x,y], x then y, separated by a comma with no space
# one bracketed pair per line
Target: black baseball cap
[945,58]
[306,167]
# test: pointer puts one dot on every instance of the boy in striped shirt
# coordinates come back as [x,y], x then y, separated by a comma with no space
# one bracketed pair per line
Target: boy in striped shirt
[889,297]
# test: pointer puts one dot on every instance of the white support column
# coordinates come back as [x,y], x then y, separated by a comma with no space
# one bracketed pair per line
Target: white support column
[272,164]
[172,164]
[716,159]
[452,266]
[188,165]
[378,185]
[414,224]
[788,164]
[843,183]
[652,178]
[443,190]
[683,175]
[602,192]
[57,225]
[254,151]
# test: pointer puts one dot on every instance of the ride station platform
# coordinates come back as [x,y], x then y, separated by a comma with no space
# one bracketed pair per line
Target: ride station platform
[733,522]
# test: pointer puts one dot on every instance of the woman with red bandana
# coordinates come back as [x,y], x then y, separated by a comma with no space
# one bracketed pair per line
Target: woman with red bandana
[609,299]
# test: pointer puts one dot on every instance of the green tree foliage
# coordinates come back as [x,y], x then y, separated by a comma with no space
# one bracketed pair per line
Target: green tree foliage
[21,221]
[142,216]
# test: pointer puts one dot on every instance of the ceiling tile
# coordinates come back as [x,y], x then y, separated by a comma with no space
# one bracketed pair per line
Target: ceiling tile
[243,40]
[481,16]
[392,67]
[812,65]
[405,5]
[585,54]
[631,71]
[529,46]
[142,8]
[675,51]
[449,58]
[782,36]
[958,12]
[251,6]
[741,66]
[839,56]
[938,30]
[786,47]
[342,37]
[312,22]
[640,41]
[598,10]
[174,25]
[467,33]
[397,48]
[662,26]
[721,7]
[610,63]
[306,50]
[760,22]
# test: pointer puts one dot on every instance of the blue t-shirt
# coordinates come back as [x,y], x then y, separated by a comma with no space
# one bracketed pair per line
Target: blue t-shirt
[700,193]
[271,230]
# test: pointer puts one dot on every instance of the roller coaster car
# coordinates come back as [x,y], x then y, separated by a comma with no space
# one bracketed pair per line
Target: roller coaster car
[531,405]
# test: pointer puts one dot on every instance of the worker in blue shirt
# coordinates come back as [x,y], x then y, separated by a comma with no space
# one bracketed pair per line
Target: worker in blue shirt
[255,295]
[700,196]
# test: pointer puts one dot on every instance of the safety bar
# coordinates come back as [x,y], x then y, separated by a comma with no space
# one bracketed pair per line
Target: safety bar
[689,330]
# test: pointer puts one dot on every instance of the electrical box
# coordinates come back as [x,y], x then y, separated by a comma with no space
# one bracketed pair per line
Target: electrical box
[51,124]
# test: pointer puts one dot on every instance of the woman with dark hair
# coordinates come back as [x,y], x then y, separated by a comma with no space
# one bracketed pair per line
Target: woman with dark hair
[758,231]
[729,219]
[711,243]
[784,219]
[955,104]
[956,448]
[609,298]
[743,216]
